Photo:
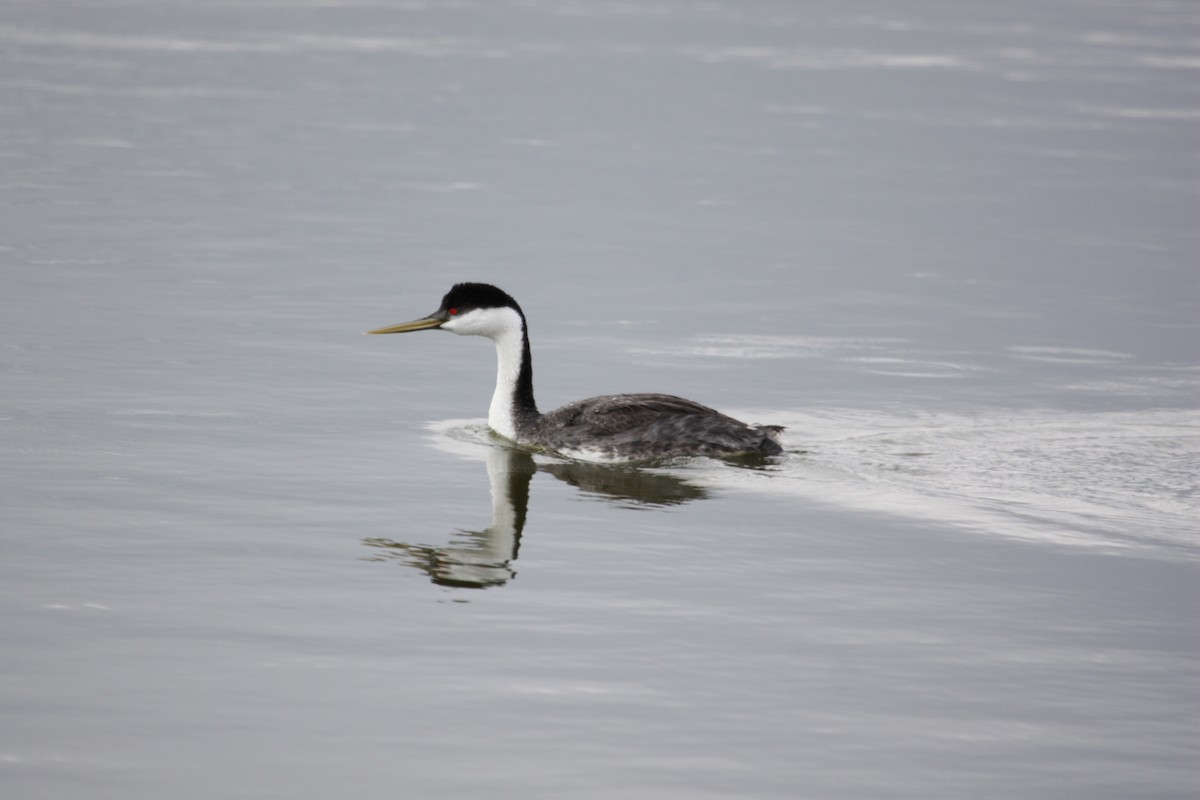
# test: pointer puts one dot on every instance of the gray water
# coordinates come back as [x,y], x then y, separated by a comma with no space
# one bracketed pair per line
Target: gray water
[247,552]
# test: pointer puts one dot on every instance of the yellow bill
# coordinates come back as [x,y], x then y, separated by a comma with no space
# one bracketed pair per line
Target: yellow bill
[415,325]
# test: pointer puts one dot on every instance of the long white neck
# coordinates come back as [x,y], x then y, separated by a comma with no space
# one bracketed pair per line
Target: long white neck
[502,413]
[512,402]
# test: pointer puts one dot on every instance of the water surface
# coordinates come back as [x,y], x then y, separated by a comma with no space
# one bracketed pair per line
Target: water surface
[247,552]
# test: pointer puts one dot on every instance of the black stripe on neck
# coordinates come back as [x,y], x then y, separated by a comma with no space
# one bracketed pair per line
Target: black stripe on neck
[523,403]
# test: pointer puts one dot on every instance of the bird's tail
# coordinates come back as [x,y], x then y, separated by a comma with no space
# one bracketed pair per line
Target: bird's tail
[773,443]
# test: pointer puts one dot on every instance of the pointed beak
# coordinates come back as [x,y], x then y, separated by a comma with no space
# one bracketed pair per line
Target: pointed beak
[433,321]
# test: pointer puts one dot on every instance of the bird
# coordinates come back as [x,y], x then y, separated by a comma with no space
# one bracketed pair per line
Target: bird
[618,428]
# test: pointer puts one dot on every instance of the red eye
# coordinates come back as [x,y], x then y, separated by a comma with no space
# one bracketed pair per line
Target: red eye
[453,311]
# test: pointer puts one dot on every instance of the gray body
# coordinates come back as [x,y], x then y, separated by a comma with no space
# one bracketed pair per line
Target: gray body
[646,426]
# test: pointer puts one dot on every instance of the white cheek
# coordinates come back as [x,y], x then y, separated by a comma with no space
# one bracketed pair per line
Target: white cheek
[454,325]
[490,322]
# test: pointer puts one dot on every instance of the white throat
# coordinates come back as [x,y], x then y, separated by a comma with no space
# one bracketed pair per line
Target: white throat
[504,327]
[501,416]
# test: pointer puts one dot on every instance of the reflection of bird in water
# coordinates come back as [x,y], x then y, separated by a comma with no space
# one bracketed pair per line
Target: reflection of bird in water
[621,426]
[630,487]
[486,558]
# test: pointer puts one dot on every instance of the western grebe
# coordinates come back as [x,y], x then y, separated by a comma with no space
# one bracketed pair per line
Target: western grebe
[617,427]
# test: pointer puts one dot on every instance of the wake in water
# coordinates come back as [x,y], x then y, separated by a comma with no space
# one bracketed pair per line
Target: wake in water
[1115,480]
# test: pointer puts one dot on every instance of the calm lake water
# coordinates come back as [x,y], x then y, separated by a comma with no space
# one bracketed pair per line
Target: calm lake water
[247,552]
